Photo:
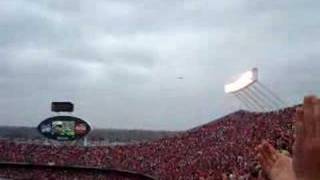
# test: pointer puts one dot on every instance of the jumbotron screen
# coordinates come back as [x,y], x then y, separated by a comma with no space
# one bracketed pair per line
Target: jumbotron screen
[64,128]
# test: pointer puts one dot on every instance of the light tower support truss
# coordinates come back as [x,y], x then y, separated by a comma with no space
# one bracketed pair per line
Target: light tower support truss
[252,94]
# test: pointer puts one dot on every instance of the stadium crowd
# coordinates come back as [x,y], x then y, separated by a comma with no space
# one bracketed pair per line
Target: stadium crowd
[224,146]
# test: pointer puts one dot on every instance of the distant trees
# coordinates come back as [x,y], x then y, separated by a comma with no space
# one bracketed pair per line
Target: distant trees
[107,135]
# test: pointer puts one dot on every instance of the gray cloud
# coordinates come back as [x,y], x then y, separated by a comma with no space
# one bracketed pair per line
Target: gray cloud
[118,61]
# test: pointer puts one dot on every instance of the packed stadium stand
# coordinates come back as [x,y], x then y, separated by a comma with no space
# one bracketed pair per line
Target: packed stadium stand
[225,145]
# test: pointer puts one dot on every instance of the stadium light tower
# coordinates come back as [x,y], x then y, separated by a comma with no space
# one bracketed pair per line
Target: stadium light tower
[252,93]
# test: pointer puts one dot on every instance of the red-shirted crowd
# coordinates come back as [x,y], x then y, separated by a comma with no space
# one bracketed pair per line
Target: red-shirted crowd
[224,146]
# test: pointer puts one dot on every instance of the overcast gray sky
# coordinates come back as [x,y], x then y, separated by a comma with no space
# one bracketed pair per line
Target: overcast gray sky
[118,60]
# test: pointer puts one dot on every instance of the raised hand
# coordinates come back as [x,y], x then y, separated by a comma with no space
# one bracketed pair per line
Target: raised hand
[277,166]
[306,149]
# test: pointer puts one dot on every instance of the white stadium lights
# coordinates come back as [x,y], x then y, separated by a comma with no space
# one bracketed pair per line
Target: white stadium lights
[253,94]
[245,80]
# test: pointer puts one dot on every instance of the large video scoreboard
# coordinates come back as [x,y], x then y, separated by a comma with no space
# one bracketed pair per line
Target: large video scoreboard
[63,128]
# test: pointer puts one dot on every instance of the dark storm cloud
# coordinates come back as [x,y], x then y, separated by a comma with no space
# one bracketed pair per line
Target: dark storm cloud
[118,61]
